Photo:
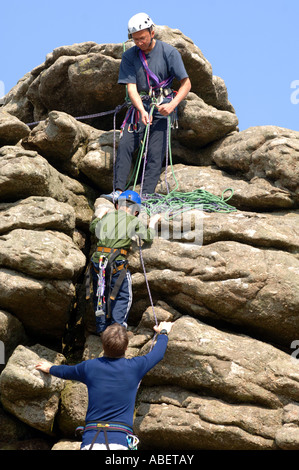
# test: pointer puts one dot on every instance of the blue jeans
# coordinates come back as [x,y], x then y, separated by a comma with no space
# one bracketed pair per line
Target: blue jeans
[120,306]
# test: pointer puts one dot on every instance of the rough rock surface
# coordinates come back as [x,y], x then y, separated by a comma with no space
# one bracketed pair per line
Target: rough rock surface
[228,280]
[28,394]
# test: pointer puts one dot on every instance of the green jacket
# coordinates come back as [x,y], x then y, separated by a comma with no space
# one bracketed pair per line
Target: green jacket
[116,230]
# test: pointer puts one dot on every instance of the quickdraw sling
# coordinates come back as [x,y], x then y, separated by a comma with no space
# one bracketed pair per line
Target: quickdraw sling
[107,267]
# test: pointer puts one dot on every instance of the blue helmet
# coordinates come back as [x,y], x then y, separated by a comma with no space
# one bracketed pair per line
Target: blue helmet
[132,197]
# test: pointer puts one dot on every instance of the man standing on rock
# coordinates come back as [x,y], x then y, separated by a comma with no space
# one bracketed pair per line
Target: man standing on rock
[112,382]
[148,69]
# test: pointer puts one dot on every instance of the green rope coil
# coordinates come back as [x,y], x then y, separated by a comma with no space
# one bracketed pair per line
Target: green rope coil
[176,202]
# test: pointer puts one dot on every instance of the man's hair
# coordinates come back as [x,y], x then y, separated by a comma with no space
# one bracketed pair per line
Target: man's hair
[115,340]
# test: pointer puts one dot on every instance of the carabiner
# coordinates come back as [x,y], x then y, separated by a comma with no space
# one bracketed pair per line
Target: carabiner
[137,127]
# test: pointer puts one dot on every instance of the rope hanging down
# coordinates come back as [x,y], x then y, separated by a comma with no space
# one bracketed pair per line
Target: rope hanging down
[175,202]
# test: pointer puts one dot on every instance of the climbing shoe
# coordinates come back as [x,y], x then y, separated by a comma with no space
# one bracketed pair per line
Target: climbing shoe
[112,197]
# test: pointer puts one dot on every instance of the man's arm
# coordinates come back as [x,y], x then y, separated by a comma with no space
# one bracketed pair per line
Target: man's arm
[167,108]
[146,234]
[100,213]
[152,358]
[63,371]
[137,102]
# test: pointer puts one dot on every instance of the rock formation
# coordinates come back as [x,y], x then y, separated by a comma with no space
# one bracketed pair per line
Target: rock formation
[229,281]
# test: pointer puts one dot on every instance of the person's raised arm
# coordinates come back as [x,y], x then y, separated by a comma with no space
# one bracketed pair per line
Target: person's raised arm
[152,358]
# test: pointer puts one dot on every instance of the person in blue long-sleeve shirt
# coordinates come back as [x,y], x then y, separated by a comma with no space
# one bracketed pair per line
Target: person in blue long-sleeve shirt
[112,382]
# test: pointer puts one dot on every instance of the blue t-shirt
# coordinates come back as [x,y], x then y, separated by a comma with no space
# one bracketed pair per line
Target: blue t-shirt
[163,60]
[112,387]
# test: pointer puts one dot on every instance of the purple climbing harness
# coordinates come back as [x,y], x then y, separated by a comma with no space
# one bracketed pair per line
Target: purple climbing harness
[158,87]
[149,74]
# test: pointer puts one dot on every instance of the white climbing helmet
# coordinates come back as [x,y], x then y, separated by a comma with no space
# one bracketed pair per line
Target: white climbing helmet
[139,22]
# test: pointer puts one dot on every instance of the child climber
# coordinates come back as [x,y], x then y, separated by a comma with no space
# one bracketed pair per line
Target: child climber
[111,279]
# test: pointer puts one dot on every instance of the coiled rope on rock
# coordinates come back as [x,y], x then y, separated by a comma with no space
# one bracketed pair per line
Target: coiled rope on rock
[175,202]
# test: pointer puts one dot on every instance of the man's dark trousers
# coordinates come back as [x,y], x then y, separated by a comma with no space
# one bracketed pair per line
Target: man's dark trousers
[120,307]
[129,142]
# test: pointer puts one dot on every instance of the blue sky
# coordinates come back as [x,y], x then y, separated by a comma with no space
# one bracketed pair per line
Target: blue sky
[253,45]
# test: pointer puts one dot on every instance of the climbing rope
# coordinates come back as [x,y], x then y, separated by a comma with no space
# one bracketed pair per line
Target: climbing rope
[144,150]
[143,154]
[89,116]
[176,202]
[147,284]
